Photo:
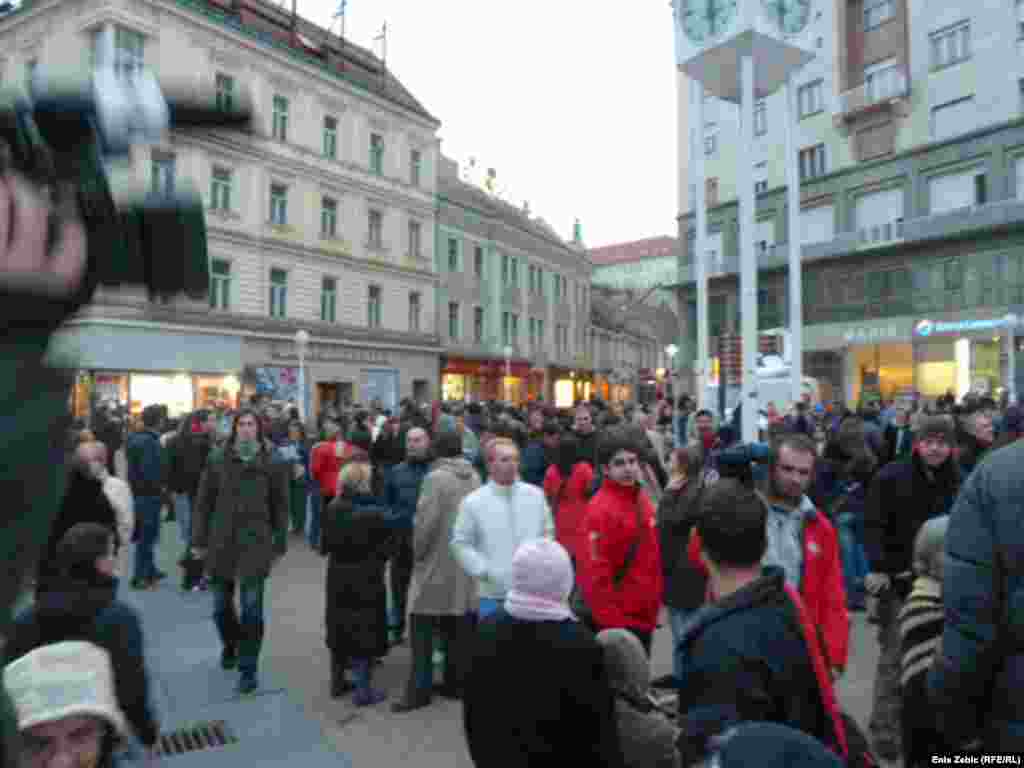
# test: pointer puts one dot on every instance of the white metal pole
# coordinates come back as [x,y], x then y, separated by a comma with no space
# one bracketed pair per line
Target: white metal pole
[700,247]
[302,383]
[1011,362]
[796,307]
[748,256]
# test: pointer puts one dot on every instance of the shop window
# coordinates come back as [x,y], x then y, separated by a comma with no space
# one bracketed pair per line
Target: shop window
[278,293]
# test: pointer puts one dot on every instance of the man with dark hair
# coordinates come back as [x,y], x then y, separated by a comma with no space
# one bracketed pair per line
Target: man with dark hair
[752,655]
[586,433]
[145,462]
[619,570]
[241,515]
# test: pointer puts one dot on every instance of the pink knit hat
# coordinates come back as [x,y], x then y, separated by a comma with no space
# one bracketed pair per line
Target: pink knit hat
[541,582]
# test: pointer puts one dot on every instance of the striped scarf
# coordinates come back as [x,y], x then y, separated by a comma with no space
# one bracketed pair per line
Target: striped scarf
[921,620]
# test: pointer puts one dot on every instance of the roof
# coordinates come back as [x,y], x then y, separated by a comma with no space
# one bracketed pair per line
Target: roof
[313,44]
[622,253]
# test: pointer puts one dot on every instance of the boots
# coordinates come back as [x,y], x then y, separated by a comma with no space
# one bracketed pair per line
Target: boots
[365,695]
[339,683]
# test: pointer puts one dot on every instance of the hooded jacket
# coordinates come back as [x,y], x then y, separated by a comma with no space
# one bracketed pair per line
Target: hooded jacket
[439,586]
[87,610]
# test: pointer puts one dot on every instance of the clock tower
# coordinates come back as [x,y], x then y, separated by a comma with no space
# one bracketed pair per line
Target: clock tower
[741,51]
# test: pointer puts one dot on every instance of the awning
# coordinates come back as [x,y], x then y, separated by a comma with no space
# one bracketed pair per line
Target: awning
[115,348]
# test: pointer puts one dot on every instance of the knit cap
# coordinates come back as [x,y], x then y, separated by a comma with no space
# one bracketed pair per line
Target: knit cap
[63,680]
[936,426]
[541,582]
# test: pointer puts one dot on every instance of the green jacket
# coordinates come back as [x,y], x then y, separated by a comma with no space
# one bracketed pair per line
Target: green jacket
[241,514]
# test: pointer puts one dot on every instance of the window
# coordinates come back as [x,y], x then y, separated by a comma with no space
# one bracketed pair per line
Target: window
[225,88]
[220,189]
[278,293]
[817,224]
[163,174]
[760,117]
[453,320]
[878,216]
[280,120]
[877,12]
[220,284]
[532,281]
[328,219]
[478,261]
[540,333]
[373,308]
[812,162]
[556,289]
[330,137]
[515,328]
[953,119]
[415,239]
[760,187]
[478,325]
[504,269]
[540,282]
[882,81]
[711,192]
[506,328]
[278,205]
[376,154]
[415,300]
[328,298]
[375,232]
[811,98]
[980,189]
[415,166]
[953,275]
[30,70]
[956,191]
[514,271]
[950,46]
[710,144]
[453,255]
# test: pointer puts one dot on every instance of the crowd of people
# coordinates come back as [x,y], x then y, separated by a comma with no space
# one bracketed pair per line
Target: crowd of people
[532,551]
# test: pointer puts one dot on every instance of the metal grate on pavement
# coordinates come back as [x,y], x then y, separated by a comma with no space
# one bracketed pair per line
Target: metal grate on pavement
[195,738]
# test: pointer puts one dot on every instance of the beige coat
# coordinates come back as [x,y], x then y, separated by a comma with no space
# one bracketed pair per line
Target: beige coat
[439,585]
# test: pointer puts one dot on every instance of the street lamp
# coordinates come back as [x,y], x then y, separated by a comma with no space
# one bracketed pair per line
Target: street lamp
[671,351]
[508,372]
[301,344]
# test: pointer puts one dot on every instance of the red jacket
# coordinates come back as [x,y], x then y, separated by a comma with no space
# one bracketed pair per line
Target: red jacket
[610,525]
[571,501]
[821,587]
[325,465]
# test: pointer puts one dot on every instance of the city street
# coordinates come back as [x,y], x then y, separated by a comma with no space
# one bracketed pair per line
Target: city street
[432,737]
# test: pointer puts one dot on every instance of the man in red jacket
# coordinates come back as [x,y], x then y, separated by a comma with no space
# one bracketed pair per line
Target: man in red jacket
[803,543]
[619,570]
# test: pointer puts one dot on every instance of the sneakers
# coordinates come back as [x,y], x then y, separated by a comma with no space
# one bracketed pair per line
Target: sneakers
[228,658]
[247,683]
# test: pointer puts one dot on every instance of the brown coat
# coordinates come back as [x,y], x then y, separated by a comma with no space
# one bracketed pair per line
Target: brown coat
[439,585]
[241,514]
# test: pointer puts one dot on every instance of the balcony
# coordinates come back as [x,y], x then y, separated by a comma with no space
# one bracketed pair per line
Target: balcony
[883,93]
[880,234]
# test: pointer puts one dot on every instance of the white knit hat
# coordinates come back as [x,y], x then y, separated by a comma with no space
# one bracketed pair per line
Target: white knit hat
[541,582]
[63,680]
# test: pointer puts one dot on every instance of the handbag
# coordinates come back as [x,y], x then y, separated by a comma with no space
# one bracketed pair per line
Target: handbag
[578,604]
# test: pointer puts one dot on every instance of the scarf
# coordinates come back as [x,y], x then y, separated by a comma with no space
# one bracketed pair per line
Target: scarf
[247,449]
[921,622]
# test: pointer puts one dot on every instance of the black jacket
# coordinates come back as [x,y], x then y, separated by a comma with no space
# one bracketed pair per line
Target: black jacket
[537,696]
[87,610]
[387,450]
[900,500]
[747,660]
[685,585]
[186,457]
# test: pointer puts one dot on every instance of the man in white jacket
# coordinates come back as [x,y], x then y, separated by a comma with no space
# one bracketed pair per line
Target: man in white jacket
[117,491]
[494,520]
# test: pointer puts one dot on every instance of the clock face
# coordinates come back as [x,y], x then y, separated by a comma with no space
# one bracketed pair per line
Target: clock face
[790,16]
[705,19]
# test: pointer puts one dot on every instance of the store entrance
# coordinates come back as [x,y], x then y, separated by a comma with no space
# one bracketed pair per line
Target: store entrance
[336,393]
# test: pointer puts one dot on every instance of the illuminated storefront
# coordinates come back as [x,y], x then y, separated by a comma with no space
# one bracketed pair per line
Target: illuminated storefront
[467,380]
[570,385]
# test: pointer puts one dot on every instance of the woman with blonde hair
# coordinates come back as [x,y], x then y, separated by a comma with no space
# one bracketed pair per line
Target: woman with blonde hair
[356,537]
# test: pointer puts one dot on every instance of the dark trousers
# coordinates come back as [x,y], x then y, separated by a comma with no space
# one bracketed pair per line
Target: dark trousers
[401,573]
[456,632]
[244,636]
[147,520]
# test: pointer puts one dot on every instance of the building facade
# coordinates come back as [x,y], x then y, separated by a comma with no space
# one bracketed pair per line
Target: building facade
[911,161]
[321,219]
[625,344]
[513,301]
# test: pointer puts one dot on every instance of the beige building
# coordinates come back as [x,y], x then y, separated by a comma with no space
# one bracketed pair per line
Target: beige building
[322,220]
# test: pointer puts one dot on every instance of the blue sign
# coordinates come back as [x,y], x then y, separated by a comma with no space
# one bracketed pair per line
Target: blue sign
[926,328]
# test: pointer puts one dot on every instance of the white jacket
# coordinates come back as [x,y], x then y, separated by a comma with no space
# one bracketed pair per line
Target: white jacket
[492,522]
[119,494]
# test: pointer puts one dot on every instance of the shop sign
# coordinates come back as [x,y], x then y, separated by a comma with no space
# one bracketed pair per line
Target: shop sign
[315,355]
[925,328]
[875,334]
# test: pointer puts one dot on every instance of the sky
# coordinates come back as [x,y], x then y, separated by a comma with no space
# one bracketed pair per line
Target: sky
[572,102]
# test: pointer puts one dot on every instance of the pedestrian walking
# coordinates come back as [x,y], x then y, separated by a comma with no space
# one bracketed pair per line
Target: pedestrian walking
[145,464]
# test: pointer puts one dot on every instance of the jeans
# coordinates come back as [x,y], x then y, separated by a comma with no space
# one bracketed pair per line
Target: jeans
[855,561]
[401,574]
[183,514]
[317,504]
[147,518]
[245,637]
[679,620]
[488,606]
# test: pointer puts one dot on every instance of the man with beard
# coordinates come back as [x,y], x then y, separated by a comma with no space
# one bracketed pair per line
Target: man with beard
[401,495]
[904,495]
[84,502]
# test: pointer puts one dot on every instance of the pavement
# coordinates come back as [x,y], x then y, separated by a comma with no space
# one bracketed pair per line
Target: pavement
[293,716]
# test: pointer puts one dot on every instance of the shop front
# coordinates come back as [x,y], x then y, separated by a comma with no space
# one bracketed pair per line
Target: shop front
[474,381]
[570,385]
[132,367]
[337,373]
[647,387]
